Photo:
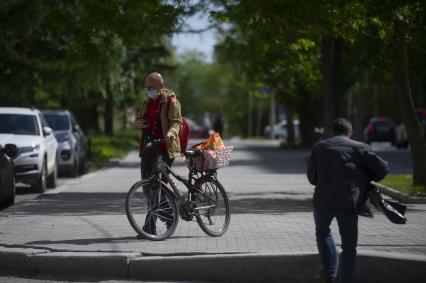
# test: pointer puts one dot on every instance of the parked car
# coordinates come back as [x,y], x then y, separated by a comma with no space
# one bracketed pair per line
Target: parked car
[35,163]
[380,129]
[196,131]
[280,130]
[7,174]
[72,143]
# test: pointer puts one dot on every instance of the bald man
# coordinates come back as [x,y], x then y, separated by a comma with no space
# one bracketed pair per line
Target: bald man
[159,117]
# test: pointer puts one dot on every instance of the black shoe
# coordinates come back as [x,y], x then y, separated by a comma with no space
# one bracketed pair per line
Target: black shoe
[321,277]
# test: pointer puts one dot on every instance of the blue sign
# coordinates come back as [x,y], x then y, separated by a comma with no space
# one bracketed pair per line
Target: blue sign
[263,90]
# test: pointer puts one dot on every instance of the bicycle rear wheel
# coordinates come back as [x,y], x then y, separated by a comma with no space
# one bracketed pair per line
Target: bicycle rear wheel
[213,208]
[151,211]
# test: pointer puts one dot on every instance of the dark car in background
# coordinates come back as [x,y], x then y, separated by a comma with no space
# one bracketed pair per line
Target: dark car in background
[72,143]
[380,129]
[7,174]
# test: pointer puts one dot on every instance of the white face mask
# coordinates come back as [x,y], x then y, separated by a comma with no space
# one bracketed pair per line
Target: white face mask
[153,93]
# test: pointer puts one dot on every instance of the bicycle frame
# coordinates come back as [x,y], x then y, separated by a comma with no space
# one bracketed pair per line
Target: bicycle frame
[190,182]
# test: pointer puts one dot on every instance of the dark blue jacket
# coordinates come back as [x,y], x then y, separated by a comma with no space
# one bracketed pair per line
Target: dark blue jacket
[340,169]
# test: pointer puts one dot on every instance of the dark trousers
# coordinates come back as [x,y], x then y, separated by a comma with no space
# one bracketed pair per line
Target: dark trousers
[148,161]
[348,228]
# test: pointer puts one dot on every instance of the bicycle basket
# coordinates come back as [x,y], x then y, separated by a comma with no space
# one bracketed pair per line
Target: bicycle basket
[210,159]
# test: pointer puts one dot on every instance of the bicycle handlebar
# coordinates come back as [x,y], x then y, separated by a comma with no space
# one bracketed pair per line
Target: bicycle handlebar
[155,142]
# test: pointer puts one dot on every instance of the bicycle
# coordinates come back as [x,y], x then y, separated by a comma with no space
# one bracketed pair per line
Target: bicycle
[158,198]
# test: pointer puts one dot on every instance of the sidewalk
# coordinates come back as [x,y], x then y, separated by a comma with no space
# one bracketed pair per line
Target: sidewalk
[271,218]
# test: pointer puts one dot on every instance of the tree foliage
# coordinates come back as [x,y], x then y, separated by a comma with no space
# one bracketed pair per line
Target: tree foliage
[58,53]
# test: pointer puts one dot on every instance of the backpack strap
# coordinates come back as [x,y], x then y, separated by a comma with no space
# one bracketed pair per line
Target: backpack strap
[158,125]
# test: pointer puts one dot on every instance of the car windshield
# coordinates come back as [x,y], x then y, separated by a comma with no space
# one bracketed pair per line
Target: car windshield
[58,122]
[19,124]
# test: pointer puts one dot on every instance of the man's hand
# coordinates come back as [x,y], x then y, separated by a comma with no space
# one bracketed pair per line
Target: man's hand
[141,124]
[170,137]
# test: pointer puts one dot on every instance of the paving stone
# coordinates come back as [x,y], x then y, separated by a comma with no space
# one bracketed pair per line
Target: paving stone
[270,203]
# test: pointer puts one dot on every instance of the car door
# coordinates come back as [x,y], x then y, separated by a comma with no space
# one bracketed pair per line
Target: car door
[51,145]
[79,136]
[2,175]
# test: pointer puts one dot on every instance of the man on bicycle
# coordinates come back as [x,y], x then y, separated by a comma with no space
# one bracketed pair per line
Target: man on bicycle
[159,118]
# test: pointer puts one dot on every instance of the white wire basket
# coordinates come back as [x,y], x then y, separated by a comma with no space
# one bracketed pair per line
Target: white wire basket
[210,159]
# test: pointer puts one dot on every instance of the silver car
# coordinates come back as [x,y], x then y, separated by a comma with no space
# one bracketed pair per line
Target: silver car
[72,143]
[35,162]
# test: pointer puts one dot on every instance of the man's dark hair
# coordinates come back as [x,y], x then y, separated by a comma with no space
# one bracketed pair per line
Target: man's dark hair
[341,126]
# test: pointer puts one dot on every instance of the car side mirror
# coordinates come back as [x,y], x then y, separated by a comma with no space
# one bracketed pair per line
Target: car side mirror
[76,128]
[11,150]
[47,131]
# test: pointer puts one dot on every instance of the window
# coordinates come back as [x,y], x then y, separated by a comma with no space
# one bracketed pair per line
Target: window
[19,124]
[58,122]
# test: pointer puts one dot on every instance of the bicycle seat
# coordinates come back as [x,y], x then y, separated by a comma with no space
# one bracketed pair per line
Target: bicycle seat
[192,153]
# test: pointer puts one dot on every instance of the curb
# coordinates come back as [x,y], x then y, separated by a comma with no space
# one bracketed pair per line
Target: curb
[402,197]
[297,267]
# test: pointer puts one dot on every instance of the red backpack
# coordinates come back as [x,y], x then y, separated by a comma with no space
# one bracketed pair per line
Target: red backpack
[184,131]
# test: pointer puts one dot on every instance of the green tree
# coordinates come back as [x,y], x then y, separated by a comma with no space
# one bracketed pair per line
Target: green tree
[59,53]
[396,26]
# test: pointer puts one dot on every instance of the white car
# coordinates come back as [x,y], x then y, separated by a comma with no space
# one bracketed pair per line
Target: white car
[35,163]
[280,131]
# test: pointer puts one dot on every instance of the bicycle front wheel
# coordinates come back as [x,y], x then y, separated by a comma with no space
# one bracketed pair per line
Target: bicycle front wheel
[212,208]
[151,211]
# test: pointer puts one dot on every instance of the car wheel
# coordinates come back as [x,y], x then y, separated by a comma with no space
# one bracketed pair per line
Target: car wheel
[10,200]
[75,167]
[51,180]
[40,185]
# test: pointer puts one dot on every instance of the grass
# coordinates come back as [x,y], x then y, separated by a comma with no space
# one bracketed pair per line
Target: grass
[103,147]
[403,184]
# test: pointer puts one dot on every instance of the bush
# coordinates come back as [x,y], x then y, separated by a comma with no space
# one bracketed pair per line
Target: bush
[103,148]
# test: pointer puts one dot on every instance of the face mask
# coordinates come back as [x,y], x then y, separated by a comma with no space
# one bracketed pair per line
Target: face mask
[153,93]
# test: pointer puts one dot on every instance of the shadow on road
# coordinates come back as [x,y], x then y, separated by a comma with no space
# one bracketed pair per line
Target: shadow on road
[65,204]
[74,204]
[272,206]
[107,240]
[84,242]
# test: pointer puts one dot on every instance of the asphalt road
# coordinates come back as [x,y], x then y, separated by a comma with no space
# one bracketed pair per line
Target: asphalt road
[23,192]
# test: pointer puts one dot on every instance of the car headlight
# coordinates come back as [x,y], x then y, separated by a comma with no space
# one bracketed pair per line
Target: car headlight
[31,148]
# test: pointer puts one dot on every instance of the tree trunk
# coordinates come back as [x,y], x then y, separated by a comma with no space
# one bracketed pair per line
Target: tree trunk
[360,109]
[109,111]
[412,124]
[291,141]
[306,126]
[331,50]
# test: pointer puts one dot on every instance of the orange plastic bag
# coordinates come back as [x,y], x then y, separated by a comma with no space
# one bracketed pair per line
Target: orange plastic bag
[214,141]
